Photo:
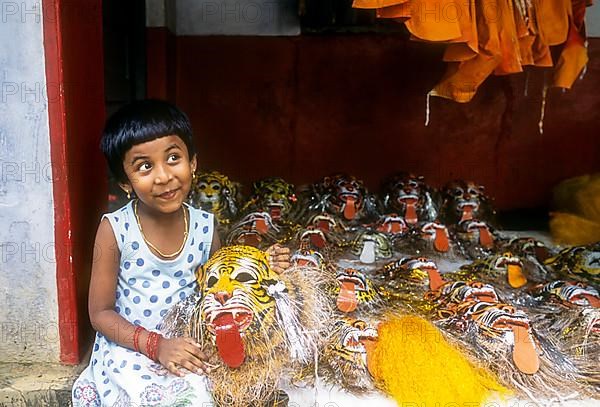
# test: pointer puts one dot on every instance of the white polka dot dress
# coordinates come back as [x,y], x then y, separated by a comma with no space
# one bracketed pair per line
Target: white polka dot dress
[147,287]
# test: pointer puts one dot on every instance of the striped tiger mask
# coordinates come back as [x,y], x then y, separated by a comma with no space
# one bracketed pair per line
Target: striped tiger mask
[236,303]
[251,322]
[346,353]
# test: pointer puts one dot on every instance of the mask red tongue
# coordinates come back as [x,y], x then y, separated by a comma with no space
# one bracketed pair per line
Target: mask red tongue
[323,225]
[261,226]
[346,300]
[350,208]
[229,341]
[317,240]
[467,213]
[485,238]
[524,354]
[435,279]
[250,240]
[411,211]
[592,300]
[441,242]
[275,213]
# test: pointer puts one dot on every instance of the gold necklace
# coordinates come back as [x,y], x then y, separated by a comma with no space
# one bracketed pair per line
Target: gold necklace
[156,249]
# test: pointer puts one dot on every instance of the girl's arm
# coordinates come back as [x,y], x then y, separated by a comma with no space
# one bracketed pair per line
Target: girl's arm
[172,353]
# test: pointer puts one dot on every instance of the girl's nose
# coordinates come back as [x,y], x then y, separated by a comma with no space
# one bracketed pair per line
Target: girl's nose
[163,175]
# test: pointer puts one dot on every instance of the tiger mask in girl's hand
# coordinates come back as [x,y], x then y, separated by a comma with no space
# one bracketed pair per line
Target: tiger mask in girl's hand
[251,322]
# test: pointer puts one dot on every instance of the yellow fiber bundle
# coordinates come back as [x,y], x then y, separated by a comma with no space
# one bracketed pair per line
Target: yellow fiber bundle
[577,220]
[413,363]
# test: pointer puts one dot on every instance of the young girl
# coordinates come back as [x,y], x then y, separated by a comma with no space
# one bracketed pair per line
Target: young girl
[147,252]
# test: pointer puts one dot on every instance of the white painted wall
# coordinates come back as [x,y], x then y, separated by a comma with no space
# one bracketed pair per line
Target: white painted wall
[28,296]
[225,17]
[592,20]
[155,13]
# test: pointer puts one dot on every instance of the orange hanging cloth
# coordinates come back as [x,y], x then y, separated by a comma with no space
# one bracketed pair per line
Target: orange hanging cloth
[573,57]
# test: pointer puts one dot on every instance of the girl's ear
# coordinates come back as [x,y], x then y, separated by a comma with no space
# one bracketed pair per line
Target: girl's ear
[126,187]
[193,164]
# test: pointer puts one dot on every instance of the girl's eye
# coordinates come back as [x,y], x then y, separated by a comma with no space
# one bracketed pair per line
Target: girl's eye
[144,167]
[173,158]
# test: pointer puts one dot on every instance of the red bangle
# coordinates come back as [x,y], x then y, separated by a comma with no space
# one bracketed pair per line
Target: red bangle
[152,344]
[136,337]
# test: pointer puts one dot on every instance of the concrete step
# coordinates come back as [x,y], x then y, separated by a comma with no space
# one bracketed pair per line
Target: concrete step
[36,384]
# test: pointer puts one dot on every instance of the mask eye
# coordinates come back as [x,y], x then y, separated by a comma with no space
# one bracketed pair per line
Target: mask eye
[458,192]
[473,191]
[216,186]
[202,186]
[244,277]
[212,280]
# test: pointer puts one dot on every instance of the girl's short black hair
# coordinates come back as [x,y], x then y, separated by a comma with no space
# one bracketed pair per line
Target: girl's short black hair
[138,122]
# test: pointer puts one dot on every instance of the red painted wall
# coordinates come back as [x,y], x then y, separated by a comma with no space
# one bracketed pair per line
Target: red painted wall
[73,51]
[303,107]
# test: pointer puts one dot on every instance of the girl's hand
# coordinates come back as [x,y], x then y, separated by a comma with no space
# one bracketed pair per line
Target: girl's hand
[177,353]
[279,258]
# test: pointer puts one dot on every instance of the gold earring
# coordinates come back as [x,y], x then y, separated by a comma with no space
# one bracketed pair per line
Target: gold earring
[128,194]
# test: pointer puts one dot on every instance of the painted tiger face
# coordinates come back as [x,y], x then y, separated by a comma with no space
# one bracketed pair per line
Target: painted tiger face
[409,196]
[570,292]
[476,233]
[251,323]
[323,221]
[417,269]
[346,353]
[496,319]
[581,262]
[313,237]
[465,200]
[308,257]
[459,292]
[528,246]
[255,229]
[275,196]
[371,246]
[436,234]
[346,195]
[234,284]
[504,264]
[216,193]
[392,224]
[354,289]
[503,328]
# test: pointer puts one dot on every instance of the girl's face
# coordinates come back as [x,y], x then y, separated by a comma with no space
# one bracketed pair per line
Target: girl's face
[160,173]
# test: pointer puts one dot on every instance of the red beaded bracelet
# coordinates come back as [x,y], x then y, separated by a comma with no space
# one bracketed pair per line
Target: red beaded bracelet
[136,337]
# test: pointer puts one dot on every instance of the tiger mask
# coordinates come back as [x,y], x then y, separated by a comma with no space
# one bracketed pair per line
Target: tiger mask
[275,196]
[464,201]
[354,289]
[216,193]
[345,355]
[251,322]
[371,246]
[408,195]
